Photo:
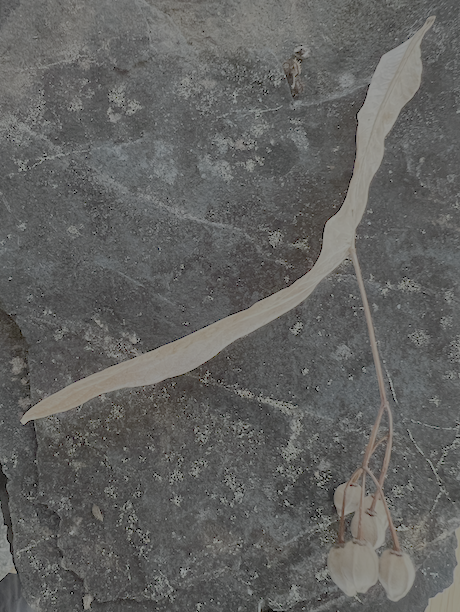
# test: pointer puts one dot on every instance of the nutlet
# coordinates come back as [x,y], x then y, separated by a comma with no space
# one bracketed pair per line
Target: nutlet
[396,573]
[354,567]
[352,497]
[372,529]
[335,565]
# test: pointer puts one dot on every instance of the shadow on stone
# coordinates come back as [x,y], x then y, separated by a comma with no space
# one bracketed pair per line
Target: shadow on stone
[11,599]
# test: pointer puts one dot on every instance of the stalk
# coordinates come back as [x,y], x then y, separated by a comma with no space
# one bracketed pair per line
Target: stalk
[361,509]
[384,405]
[386,458]
[372,443]
[394,535]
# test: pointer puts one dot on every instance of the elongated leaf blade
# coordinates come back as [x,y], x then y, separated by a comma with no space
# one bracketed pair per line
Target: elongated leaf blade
[394,83]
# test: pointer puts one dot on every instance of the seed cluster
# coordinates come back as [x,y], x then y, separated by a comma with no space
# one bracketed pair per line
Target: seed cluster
[354,565]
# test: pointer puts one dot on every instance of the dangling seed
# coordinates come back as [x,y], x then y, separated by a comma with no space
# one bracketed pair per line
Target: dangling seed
[372,529]
[354,567]
[352,497]
[362,566]
[335,565]
[396,573]
[379,509]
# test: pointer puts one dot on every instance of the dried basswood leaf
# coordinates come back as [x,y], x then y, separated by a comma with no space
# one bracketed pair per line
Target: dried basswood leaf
[395,81]
[372,529]
[396,574]
[352,497]
[335,565]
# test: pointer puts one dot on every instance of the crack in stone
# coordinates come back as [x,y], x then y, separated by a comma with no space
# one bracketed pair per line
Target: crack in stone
[438,427]
[446,450]
[34,544]
[428,460]
[443,490]
[332,97]
[455,444]
[287,408]
[179,214]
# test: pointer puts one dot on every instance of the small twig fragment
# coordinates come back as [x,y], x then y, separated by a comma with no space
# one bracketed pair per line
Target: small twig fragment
[97,513]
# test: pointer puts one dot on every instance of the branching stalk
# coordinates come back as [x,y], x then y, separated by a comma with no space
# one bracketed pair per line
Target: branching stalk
[394,535]
[377,444]
[384,405]
[353,480]
[386,459]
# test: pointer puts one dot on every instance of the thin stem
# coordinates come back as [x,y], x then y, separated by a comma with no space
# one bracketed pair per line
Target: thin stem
[370,326]
[361,509]
[372,444]
[386,459]
[377,444]
[384,405]
[394,535]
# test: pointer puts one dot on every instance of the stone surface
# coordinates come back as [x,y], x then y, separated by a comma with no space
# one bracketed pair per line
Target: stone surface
[157,176]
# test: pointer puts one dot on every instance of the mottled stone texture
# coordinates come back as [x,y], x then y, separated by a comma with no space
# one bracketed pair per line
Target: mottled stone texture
[157,176]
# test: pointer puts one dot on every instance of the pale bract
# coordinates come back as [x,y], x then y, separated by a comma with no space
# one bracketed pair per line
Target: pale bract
[352,496]
[372,529]
[396,574]
[394,83]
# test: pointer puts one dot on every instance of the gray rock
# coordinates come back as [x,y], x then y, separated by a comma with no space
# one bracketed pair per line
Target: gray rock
[157,176]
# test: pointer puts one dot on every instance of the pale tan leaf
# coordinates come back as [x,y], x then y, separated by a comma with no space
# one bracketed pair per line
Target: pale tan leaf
[395,81]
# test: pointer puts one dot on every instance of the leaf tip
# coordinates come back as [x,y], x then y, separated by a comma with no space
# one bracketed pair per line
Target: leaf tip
[28,416]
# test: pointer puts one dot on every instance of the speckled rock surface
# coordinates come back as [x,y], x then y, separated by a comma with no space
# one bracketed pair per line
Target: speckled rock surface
[157,175]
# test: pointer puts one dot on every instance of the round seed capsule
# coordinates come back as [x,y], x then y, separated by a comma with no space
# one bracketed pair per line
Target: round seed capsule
[396,573]
[335,565]
[354,567]
[352,497]
[362,565]
[372,529]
